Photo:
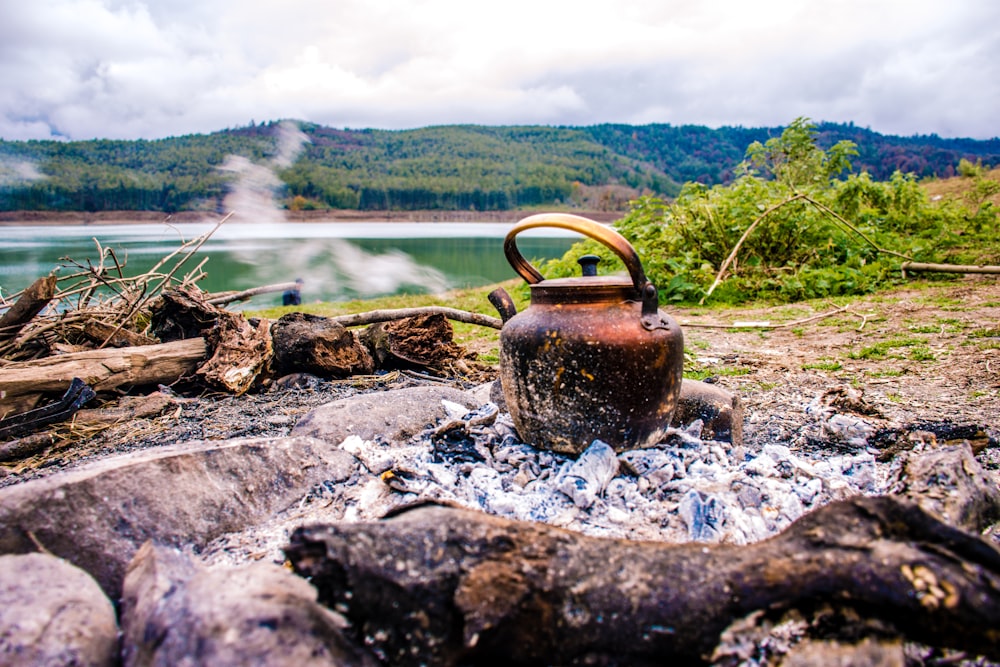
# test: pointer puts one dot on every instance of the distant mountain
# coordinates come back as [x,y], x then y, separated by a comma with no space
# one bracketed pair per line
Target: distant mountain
[454,167]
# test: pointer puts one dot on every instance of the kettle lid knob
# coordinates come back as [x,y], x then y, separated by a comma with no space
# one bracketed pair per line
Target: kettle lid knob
[588,264]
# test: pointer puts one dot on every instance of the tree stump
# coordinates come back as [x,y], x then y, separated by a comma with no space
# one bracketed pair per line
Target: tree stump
[318,345]
[424,341]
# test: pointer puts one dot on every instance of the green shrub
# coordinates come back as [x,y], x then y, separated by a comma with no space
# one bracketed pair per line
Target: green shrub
[816,233]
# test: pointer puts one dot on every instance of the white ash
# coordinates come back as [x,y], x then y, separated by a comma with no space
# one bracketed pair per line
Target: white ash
[684,490]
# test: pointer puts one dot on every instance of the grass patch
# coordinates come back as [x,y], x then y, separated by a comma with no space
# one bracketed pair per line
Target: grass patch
[887,373]
[707,372]
[880,350]
[991,332]
[823,365]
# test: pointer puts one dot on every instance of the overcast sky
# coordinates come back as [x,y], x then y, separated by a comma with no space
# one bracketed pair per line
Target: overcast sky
[83,69]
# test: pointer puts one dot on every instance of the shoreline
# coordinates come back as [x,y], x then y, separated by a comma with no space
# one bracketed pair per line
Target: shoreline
[45,218]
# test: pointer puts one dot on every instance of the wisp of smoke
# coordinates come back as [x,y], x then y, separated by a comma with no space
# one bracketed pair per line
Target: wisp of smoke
[330,263]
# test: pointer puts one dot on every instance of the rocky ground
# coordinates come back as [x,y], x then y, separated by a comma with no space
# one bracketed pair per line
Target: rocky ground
[914,358]
[919,364]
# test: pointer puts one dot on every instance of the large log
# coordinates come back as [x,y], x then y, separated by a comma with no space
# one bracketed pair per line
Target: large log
[444,586]
[101,369]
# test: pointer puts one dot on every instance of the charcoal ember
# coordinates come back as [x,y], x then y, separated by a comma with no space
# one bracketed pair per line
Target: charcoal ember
[703,514]
[655,465]
[463,439]
[589,475]
[456,444]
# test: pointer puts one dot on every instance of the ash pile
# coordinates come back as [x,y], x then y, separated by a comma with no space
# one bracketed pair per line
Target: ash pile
[686,489]
[422,531]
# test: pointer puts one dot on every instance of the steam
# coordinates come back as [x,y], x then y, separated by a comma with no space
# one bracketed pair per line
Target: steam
[339,266]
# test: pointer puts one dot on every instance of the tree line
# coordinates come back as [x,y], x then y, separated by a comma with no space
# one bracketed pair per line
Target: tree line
[445,167]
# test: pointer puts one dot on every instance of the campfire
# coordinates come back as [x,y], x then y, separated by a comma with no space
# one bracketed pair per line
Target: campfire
[413,524]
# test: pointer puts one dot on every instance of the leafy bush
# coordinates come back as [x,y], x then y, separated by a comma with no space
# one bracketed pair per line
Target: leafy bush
[804,229]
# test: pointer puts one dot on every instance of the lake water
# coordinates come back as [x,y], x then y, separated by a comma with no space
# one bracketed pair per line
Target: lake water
[337,261]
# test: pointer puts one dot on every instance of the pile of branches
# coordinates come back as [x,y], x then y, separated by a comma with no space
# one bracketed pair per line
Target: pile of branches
[96,330]
[93,307]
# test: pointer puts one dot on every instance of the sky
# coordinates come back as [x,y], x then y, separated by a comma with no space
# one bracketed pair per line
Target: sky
[121,69]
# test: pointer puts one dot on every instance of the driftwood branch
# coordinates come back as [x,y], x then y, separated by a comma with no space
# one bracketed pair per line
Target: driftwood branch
[445,586]
[948,268]
[739,244]
[766,324]
[30,303]
[375,316]
[223,299]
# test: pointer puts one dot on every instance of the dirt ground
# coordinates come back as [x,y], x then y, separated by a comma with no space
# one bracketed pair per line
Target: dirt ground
[927,353]
[917,357]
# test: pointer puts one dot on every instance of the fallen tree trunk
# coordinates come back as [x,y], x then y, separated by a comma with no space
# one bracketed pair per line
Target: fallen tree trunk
[947,268]
[223,299]
[375,316]
[30,303]
[445,586]
[102,369]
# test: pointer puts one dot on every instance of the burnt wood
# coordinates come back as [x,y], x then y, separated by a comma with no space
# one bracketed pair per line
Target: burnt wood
[446,586]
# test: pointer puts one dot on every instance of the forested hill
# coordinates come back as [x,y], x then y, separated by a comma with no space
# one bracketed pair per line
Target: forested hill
[447,167]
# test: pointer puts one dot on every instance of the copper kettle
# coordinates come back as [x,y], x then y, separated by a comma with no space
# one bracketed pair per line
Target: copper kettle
[592,356]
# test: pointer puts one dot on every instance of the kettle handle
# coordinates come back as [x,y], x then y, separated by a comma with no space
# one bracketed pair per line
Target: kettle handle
[575,223]
[601,233]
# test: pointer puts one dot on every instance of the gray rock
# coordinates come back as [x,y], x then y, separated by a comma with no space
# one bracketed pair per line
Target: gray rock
[177,612]
[52,613]
[395,416]
[483,393]
[719,409]
[97,516]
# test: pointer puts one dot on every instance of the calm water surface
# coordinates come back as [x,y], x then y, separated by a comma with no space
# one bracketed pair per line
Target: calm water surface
[337,261]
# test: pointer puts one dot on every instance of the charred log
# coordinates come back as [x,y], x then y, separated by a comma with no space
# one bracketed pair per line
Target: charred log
[425,341]
[238,351]
[75,397]
[444,586]
[318,345]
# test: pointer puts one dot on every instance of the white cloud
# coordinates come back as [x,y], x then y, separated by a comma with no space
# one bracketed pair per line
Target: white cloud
[92,68]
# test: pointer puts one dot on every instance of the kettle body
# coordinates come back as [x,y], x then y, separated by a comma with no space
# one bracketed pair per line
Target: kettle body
[591,357]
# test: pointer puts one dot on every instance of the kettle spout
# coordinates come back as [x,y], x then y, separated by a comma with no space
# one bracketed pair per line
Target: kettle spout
[503,303]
